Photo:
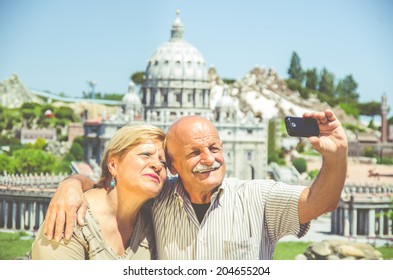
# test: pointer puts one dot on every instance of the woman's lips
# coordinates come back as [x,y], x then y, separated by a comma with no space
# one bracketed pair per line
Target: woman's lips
[154,177]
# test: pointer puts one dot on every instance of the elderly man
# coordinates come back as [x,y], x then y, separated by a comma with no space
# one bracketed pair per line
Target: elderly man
[201,215]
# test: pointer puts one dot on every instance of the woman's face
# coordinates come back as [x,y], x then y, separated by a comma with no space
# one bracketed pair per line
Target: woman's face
[142,170]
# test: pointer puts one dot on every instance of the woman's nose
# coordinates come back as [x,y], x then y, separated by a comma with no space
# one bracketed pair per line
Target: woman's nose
[156,164]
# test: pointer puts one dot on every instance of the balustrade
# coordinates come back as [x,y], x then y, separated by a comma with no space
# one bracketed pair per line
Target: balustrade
[24,199]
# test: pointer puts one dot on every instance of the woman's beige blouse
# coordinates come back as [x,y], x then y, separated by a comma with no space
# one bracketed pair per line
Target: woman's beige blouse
[87,242]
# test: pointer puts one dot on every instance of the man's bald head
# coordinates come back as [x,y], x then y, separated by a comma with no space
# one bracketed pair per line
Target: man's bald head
[194,151]
[182,127]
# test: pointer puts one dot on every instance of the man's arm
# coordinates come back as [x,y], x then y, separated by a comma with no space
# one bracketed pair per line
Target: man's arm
[325,192]
[67,204]
[44,249]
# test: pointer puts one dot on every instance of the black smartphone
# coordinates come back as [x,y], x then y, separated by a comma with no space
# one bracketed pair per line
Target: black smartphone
[301,127]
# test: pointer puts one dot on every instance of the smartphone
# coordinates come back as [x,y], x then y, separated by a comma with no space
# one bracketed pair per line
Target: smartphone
[301,127]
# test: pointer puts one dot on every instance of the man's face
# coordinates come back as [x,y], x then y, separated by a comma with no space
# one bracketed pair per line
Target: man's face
[196,151]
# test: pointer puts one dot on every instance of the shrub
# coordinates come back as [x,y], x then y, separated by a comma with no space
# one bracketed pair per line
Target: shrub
[300,164]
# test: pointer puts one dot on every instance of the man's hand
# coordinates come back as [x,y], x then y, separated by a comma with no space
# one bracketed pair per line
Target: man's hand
[324,194]
[332,138]
[68,202]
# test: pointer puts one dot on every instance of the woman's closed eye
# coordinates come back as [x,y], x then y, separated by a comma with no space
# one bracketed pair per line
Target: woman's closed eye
[147,154]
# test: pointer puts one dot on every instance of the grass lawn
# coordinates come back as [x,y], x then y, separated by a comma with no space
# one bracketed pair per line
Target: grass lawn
[289,250]
[16,245]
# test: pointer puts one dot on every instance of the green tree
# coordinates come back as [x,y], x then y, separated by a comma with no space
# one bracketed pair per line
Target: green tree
[79,140]
[312,79]
[29,105]
[371,124]
[113,96]
[295,70]
[40,144]
[271,144]
[346,90]
[326,83]
[228,81]
[63,166]
[65,113]
[300,164]
[7,164]
[33,161]
[350,109]
[8,140]
[76,151]
[138,77]
[28,116]
[370,108]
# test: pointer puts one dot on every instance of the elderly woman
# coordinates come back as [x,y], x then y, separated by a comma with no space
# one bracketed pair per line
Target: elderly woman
[118,220]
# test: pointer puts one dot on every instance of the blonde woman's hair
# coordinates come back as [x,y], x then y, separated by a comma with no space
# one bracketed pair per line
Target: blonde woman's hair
[125,139]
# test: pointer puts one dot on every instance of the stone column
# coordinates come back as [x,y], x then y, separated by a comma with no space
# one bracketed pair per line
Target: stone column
[371,222]
[346,222]
[2,213]
[38,215]
[171,97]
[13,216]
[148,101]
[342,221]
[22,210]
[196,101]
[390,225]
[354,221]
[41,215]
[332,222]
[32,215]
[381,222]
[89,148]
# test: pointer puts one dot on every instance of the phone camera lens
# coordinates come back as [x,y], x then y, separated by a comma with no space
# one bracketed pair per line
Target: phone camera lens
[293,124]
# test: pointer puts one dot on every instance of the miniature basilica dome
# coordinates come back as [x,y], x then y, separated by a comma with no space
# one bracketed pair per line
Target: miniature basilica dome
[176,59]
[176,79]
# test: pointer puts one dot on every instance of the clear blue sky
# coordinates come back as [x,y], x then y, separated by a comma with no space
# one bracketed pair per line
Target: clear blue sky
[60,45]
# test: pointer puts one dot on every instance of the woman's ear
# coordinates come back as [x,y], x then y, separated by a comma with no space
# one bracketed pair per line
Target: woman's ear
[112,166]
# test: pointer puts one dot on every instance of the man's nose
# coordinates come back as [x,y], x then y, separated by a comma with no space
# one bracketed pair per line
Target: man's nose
[207,157]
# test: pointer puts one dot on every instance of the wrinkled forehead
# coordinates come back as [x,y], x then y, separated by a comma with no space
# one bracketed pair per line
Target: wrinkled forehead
[151,145]
[192,130]
[197,131]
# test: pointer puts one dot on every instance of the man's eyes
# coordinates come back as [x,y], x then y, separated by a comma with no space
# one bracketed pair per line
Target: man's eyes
[197,152]
[215,149]
[194,153]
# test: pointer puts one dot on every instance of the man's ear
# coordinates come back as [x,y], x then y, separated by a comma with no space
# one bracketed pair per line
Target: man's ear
[172,169]
[169,163]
